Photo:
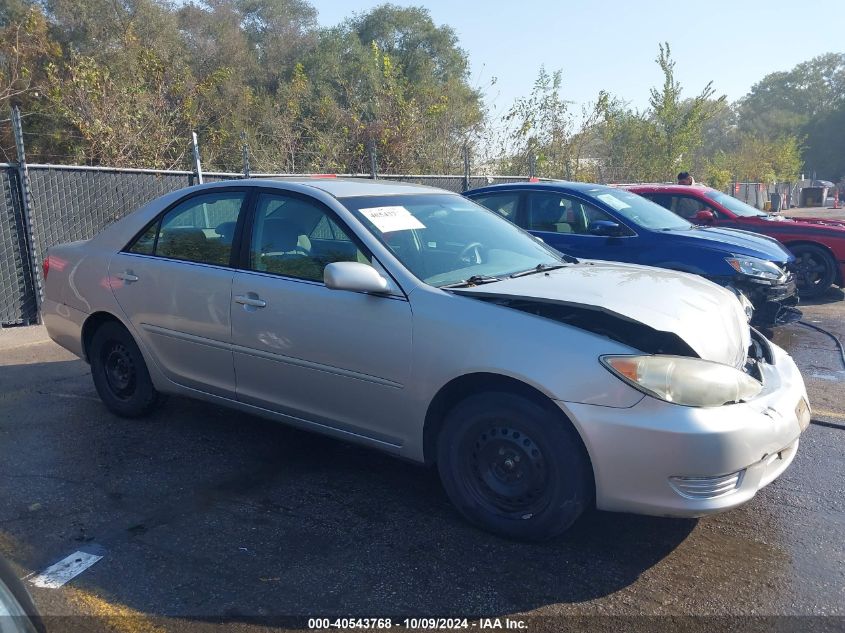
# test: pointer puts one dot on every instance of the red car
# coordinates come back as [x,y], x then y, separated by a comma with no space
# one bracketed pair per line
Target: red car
[818,244]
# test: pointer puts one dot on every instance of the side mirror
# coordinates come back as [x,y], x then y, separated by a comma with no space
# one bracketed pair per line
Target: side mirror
[704,216]
[354,276]
[604,227]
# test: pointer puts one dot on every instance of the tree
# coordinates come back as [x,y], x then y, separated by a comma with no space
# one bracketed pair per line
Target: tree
[804,103]
[541,128]
[678,123]
[825,142]
[756,159]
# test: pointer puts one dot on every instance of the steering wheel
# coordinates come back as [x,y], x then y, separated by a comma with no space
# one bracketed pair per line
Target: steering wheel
[472,247]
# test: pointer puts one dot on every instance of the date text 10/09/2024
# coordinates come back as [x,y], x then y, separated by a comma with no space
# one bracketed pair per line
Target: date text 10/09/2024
[430,624]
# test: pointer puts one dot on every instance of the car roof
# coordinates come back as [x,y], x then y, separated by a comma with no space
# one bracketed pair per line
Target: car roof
[671,188]
[339,187]
[557,185]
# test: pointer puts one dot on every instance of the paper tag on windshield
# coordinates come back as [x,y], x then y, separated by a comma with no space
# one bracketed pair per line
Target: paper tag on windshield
[388,219]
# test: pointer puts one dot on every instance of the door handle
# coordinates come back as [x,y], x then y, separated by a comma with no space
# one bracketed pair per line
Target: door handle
[127,276]
[252,301]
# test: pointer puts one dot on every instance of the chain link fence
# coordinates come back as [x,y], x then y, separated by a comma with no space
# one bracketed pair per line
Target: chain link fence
[17,288]
[68,203]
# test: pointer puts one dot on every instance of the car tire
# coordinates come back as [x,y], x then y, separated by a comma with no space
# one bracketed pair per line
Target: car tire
[15,601]
[514,466]
[120,373]
[815,270]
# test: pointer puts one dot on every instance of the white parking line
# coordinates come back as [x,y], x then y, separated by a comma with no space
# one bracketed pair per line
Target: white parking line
[65,570]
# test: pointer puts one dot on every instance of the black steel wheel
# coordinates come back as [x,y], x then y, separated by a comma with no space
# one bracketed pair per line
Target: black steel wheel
[120,373]
[120,370]
[514,466]
[506,471]
[815,269]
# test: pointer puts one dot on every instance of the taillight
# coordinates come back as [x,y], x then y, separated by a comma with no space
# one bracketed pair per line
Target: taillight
[45,266]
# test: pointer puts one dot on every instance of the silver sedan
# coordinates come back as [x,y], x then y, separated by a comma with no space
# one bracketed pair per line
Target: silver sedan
[413,321]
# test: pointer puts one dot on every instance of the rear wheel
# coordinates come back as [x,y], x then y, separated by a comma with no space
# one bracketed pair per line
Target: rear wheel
[120,373]
[815,269]
[513,466]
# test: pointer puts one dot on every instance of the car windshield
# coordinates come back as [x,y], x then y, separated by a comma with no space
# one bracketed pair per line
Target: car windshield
[445,239]
[738,207]
[639,211]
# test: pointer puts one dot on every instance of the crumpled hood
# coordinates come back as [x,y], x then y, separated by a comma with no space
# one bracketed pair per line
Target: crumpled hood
[705,316]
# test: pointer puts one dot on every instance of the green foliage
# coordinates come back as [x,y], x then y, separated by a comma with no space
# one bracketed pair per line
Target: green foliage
[755,159]
[807,101]
[678,123]
[125,83]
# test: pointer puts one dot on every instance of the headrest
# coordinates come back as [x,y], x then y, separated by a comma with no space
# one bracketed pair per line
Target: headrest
[279,236]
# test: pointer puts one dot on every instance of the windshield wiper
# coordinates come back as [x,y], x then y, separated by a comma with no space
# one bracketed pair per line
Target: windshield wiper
[539,268]
[475,280]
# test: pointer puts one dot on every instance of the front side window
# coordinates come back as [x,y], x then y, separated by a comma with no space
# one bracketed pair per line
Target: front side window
[199,229]
[688,206]
[446,239]
[557,213]
[297,238]
[505,204]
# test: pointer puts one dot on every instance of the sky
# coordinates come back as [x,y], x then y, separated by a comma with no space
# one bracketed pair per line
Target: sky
[612,45]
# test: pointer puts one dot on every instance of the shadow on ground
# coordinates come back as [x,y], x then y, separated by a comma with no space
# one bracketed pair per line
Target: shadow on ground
[206,512]
[833,295]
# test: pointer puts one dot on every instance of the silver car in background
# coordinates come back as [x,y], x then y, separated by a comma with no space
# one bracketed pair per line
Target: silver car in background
[413,321]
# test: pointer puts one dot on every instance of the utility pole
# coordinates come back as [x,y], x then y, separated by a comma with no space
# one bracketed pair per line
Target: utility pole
[245,151]
[26,204]
[196,152]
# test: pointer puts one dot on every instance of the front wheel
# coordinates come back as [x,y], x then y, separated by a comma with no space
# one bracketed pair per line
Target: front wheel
[120,373]
[513,466]
[815,269]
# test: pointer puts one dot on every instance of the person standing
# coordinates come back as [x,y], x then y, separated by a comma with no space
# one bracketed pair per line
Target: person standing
[684,178]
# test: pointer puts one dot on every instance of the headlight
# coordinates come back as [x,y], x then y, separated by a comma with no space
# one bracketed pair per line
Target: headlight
[746,304]
[753,267]
[681,380]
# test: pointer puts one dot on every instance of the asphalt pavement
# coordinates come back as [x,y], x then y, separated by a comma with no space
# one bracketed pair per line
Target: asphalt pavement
[206,519]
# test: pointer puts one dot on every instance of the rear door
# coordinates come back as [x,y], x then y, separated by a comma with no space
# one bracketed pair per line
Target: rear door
[331,357]
[174,284]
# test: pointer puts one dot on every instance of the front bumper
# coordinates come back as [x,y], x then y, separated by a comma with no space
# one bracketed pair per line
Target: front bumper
[774,302]
[670,460]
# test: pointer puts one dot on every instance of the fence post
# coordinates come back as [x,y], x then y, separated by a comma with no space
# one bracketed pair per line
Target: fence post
[195,148]
[372,150]
[466,167]
[26,205]
[245,151]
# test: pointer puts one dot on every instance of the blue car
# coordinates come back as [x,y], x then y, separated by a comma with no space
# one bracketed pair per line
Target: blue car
[600,222]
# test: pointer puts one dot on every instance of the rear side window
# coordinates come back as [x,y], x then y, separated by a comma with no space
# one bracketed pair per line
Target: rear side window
[200,229]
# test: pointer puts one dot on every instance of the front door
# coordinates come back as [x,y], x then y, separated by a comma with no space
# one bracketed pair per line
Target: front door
[331,357]
[567,223]
[174,284]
